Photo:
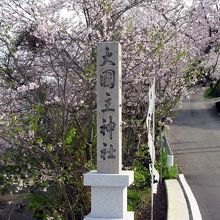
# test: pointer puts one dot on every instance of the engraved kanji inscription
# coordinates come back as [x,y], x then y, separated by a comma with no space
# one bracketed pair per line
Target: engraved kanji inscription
[109,153]
[109,107]
[110,127]
[106,57]
[107,78]
[108,104]
[103,152]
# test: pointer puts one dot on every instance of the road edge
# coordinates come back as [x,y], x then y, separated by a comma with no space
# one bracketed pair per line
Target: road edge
[193,205]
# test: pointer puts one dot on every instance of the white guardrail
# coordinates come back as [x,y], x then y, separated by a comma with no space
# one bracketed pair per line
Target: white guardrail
[170,157]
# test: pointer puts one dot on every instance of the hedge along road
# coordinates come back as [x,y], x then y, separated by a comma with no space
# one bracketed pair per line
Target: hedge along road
[195,140]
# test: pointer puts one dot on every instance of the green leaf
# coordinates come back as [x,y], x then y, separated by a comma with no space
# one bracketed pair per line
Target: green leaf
[71,134]
[49,147]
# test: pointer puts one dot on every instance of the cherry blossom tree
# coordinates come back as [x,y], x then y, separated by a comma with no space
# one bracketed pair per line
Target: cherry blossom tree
[48,92]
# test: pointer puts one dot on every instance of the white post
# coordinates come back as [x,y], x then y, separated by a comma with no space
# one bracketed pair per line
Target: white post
[109,183]
[153,174]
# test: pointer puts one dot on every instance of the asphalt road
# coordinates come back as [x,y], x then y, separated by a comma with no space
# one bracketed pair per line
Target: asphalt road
[195,140]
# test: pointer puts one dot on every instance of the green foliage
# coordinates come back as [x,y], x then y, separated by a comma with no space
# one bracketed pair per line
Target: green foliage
[48,171]
[141,174]
[179,55]
[140,168]
[91,68]
[70,136]
[137,198]
[168,173]
[107,6]
[216,91]
[139,193]
[209,93]
[213,92]
[37,202]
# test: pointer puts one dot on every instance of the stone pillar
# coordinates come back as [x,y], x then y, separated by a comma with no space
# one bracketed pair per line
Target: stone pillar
[109,119]
[109,183]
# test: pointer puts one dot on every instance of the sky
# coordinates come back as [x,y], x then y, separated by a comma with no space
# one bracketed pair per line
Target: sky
[188,2]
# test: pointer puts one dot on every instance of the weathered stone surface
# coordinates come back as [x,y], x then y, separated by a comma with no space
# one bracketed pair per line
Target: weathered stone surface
[109,195]
[129,216]
[109,106]
[125,178]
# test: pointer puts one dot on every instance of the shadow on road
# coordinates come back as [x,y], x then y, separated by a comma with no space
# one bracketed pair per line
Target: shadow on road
[207,119]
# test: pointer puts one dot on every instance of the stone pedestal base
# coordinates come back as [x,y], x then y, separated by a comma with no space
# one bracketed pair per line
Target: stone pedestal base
[109,195]
[128,216]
